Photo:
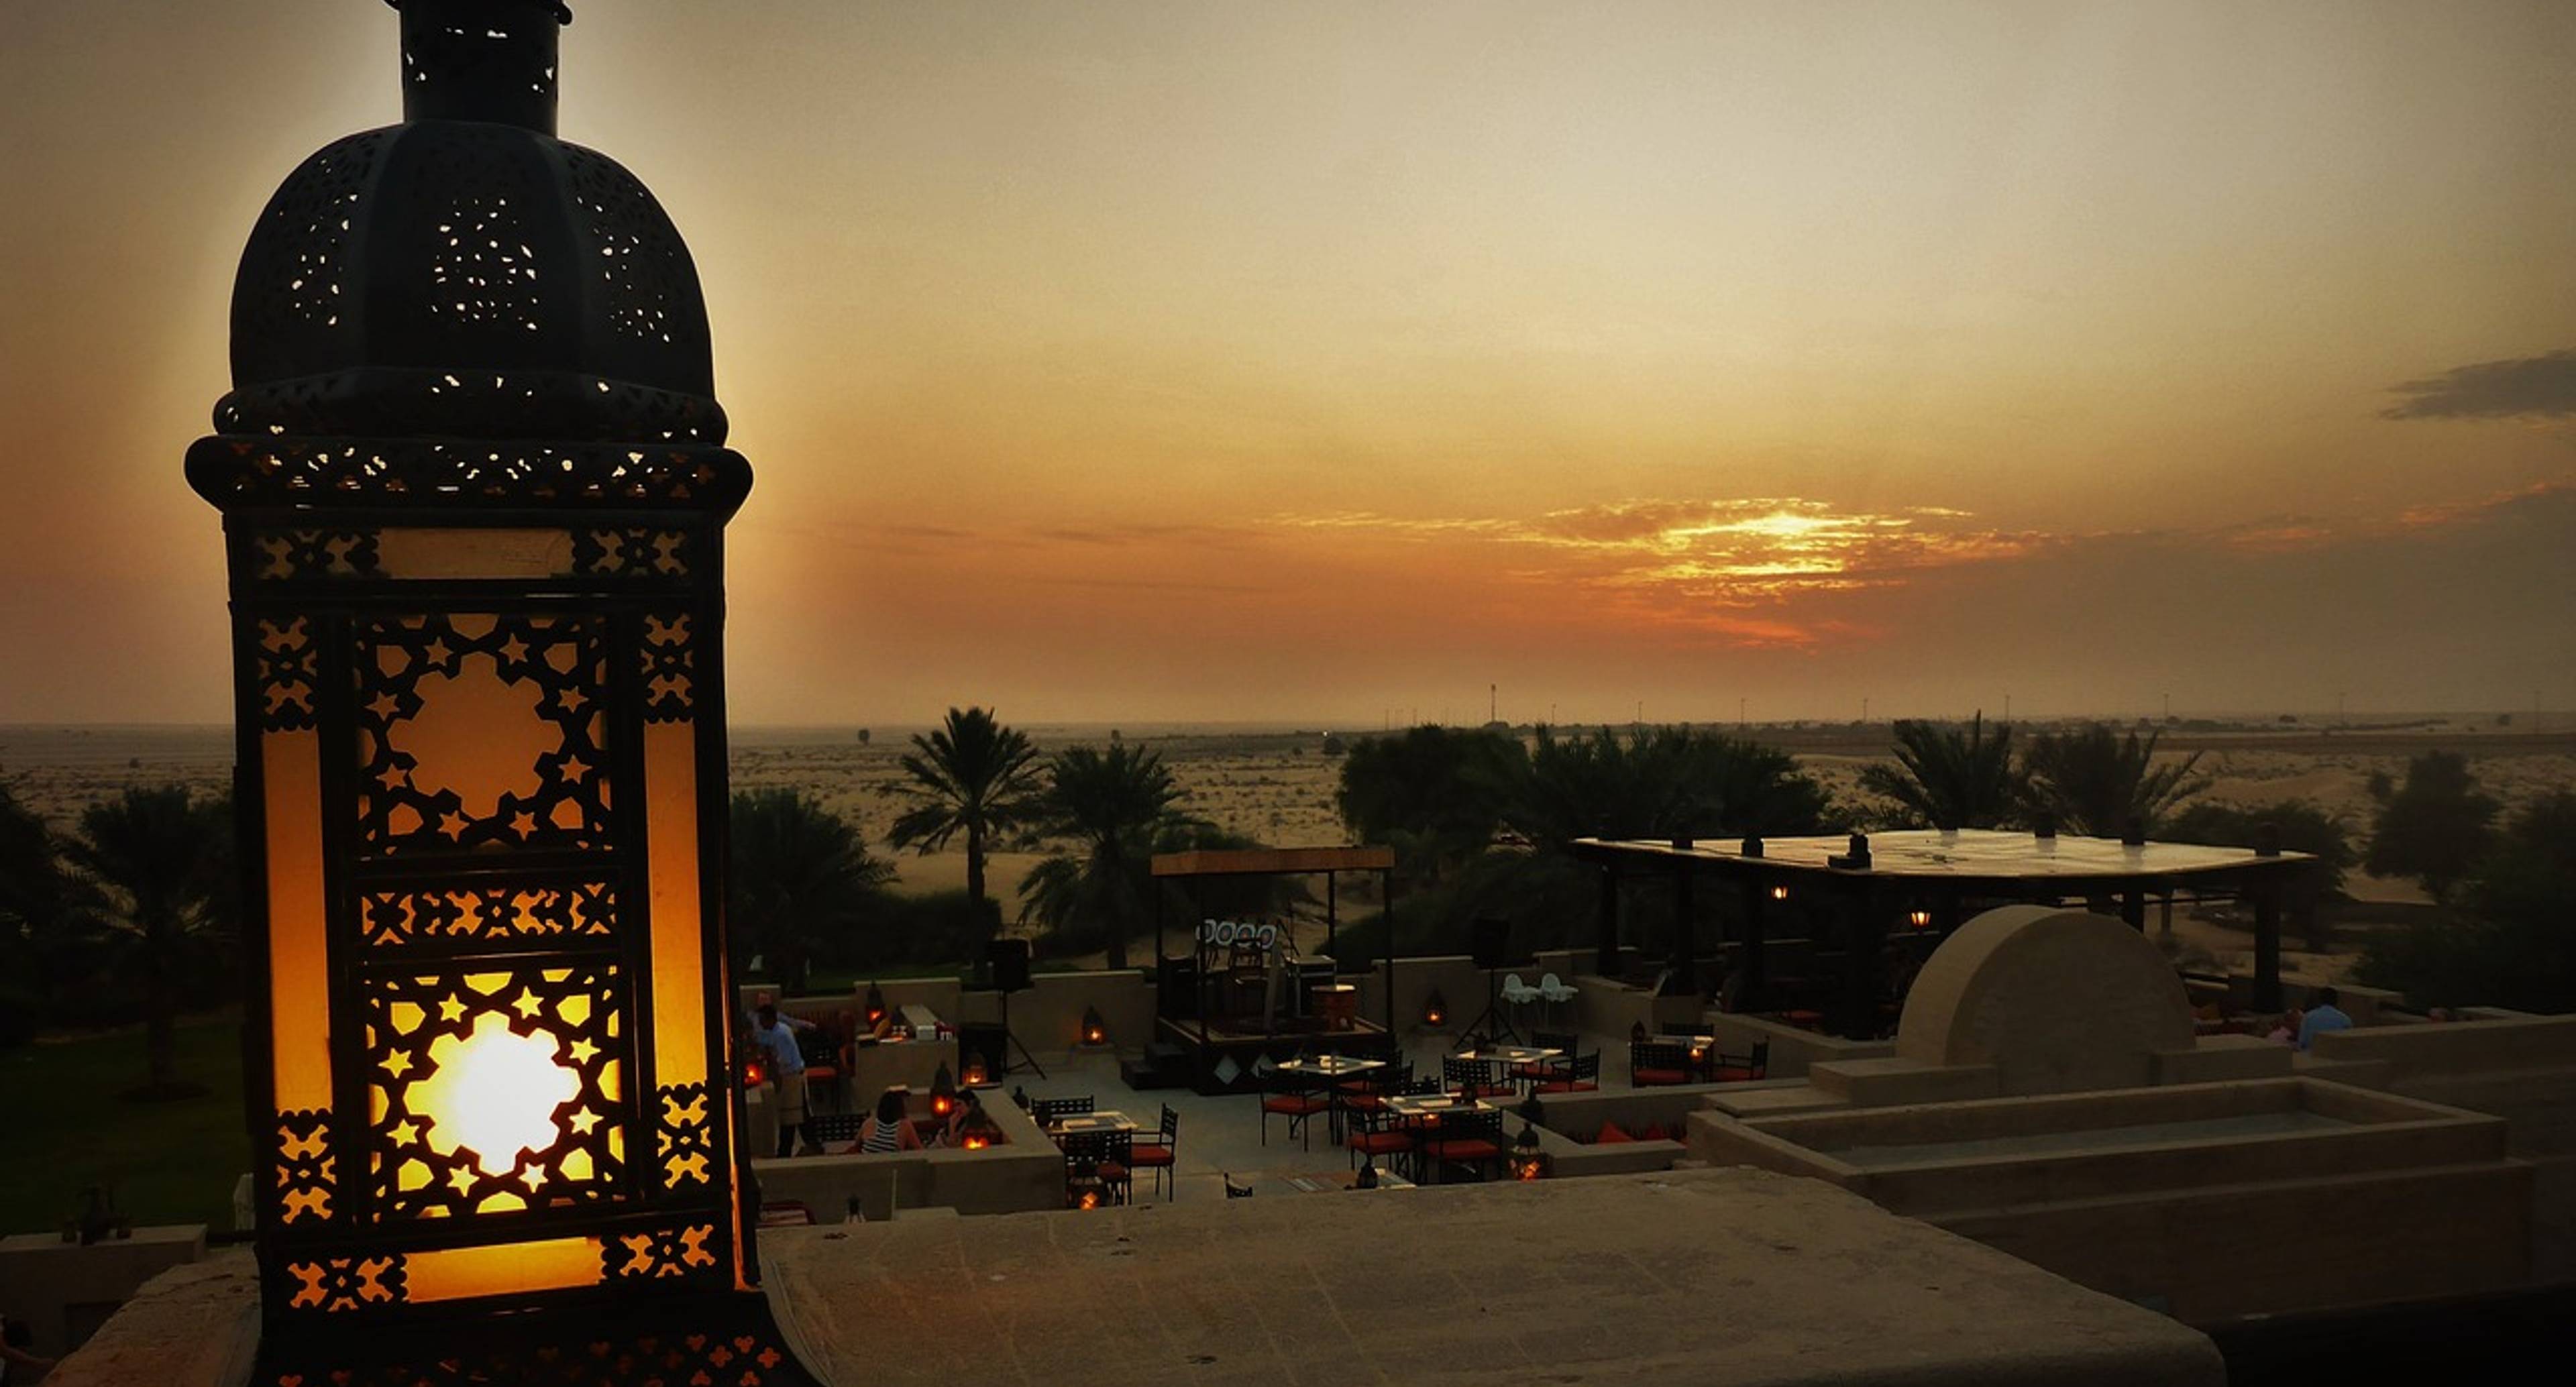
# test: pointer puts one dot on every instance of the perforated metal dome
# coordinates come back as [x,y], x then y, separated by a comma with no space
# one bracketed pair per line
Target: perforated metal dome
[465,274]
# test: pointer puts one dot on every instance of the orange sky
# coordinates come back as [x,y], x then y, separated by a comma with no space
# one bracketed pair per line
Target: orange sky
[1302,362]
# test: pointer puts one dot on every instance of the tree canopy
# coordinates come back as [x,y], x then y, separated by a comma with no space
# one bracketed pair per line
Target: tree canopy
[972,777]
[1950,777]
[2435,827]
[2098,782]
[801,884]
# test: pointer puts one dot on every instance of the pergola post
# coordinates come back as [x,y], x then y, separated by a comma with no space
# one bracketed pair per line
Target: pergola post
[1386,910]
[1332,922]
[2267,943]
[2133,906]
[1755,965]
[1681,961]
[1864,934]
[1605,953]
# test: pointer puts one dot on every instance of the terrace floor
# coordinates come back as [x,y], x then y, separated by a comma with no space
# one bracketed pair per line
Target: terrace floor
[1223,1136]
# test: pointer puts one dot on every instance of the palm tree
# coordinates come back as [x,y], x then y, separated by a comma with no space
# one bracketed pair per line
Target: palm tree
[1112,806]
[974,777]
[2097,783]
[33,908]
[1948,778]
[801,879]
[155,868]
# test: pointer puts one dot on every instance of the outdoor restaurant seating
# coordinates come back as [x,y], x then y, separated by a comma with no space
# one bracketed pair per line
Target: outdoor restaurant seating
[1538,1070]
[1379,1134]
[1157,1153]
[1107,1156]
[1473,1139]
[1573,1074]
[1476,1078]
[833,1130]
[1733,1068]
[1050,1111]
[1652,1062]
[1296,1099]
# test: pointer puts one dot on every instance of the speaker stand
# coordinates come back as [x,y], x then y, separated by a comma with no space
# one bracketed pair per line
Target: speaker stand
[1011,1042]
[1493,1012]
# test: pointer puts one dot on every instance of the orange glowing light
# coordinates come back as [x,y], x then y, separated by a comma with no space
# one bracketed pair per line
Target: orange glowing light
[1090,1199]
[1779,893]
[975,1141]
[493,1094]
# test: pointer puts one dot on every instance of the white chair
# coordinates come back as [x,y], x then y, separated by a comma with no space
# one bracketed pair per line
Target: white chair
[1518,995]
[1556,993]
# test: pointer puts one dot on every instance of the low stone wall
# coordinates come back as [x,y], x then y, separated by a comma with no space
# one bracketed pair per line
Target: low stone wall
[2522,1069]
[1792,1049]
[64,1291]
[1025,1173]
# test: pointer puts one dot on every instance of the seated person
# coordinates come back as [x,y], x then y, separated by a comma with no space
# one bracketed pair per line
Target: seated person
[889,1128]
[2285,1031]
[2323,1016]
[953,1131]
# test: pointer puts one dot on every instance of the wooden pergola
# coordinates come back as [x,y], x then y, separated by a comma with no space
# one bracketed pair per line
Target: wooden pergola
[1874,886]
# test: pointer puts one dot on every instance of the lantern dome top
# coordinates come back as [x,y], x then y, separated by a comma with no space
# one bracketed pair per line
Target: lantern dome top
[466,274]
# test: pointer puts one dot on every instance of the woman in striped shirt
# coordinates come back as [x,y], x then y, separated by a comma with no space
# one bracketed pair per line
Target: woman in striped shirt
[887,1129]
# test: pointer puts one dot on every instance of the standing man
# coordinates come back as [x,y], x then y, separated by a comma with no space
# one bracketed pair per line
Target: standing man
[777,1035]
[2323,1016]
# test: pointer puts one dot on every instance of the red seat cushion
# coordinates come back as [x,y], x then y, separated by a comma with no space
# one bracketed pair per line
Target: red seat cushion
[1729,1074]
[1295,1104]
[1364,1102]
[1652,1131]
[1568,1086]
[1380,1143]
[1662,1076]
[1149,1155]
[1113,1172]
[824,1072]
[1612,1134]
[1467,1149]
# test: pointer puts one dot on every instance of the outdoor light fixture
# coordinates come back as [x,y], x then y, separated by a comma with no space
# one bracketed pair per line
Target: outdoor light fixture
[943,1092]
[874,1006]
[1919,918]
[1527,1161]
[1094,1030]
[1435,1009]
[474,490]
[973,1072]
[1779,893]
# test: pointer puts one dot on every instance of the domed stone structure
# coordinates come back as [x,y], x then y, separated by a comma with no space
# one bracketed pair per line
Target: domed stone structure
[465,275]
[2055,1000]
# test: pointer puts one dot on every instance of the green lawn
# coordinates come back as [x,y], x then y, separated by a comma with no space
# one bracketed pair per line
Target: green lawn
[62,1128]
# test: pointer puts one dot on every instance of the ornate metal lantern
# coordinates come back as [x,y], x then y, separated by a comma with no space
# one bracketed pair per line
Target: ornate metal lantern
[474,490]
[1095,1031]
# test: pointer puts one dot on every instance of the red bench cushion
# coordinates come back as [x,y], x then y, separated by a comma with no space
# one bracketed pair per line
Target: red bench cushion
[1662,1076]
[1612,1134]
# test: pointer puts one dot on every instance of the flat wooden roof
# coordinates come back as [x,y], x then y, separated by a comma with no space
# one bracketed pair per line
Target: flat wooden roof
[1965,856]
[1233,862]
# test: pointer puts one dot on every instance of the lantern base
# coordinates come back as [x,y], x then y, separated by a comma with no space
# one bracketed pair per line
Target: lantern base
[728,1337]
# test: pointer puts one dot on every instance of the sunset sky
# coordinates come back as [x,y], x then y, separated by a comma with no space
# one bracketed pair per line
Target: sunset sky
[1307,362]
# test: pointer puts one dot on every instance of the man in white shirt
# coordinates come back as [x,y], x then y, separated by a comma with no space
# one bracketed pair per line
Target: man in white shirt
[2323,1016]
[776,1035]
